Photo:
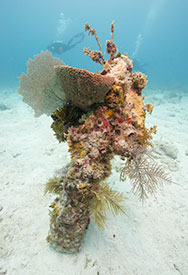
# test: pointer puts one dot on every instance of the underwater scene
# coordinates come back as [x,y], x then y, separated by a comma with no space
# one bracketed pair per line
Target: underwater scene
[94,137]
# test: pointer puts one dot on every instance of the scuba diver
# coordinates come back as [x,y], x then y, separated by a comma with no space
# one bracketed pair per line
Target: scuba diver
[58,47]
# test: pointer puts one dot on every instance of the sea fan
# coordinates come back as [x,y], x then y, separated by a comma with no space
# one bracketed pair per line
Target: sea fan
[145,175]
[39,87]
[105,198]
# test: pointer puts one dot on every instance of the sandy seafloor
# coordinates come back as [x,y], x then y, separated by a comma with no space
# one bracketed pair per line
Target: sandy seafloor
[151,240]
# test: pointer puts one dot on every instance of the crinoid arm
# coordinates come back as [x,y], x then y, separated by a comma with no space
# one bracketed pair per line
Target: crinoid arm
[104,199]
[53,185]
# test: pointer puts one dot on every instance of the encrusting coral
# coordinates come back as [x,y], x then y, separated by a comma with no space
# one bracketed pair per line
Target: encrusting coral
[100,115]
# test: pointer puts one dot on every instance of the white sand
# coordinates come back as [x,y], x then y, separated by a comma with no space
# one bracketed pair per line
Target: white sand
[152,240]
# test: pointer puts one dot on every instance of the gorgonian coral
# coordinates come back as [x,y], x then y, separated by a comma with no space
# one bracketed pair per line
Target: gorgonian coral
[39,87]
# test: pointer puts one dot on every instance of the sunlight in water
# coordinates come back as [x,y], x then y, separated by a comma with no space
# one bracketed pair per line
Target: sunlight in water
[62,24]
[154,12]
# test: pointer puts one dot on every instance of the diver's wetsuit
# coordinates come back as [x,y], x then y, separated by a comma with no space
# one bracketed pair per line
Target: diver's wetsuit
[58,47]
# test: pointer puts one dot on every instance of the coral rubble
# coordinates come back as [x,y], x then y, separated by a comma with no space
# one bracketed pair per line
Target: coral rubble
[100,115]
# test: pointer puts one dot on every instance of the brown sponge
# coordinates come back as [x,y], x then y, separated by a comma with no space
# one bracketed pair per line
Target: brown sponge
[82,87]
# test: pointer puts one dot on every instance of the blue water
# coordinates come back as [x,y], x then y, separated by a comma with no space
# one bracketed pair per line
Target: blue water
[154,32]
